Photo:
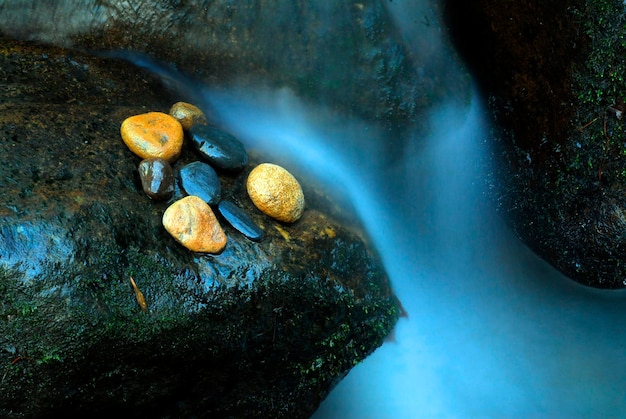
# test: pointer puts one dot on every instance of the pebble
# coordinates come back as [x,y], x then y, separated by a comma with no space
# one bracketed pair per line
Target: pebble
[241,221]
[275,192]
[157,178]
[187,114]
[200,179]
[219,148]
[153,135]
[193,224]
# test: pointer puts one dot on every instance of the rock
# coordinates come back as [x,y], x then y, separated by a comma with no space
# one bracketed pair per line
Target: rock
[153,135]
[263,42]
[192,223]
[187,114]
[200,179]
[157,178]
[260,330]
[241,221]
[557,129]
[219,148]
[275,192]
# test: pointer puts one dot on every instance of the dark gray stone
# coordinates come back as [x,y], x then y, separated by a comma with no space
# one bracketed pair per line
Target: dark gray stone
[241,221]
[219,148]
[200,179]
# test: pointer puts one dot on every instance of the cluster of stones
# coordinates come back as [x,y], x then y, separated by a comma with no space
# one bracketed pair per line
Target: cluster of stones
[158,139]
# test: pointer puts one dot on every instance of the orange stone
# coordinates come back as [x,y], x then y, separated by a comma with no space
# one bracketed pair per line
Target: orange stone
[275,192]
[193,224]
[153,135]
[187,114]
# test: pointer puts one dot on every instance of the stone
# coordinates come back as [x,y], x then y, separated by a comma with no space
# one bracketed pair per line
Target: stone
[227,335]
[240,221]
[157,178]
[187,114]
[275,47]
[193,224]
[153,135]
[200,179]
[219,148]
[556,129]
[275,192]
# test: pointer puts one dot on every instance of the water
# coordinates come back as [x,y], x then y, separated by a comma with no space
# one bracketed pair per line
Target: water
[493,331]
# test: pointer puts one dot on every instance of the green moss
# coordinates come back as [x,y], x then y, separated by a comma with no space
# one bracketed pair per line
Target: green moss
[600,92]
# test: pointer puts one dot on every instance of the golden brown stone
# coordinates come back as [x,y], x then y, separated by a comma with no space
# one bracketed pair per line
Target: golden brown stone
[193,224]
[276,192]
[153,135]
[187,114]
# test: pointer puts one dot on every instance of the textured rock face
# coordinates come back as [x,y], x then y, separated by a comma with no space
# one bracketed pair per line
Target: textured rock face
[285,42]
[552,72]
[261,330]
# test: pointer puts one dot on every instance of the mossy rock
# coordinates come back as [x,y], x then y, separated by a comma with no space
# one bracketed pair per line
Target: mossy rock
[261,330]
[553,75]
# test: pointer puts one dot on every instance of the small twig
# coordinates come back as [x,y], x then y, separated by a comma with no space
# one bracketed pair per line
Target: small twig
[139,296]
[6,371]
[588,123]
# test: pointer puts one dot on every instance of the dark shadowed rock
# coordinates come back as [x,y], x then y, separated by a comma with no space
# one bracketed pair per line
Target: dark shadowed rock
[283,42]
[553,74]
[260,330]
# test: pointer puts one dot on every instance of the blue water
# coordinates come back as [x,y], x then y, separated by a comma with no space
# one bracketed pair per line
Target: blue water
[493,331]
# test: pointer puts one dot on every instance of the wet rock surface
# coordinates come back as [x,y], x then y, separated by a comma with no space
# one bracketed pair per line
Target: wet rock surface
[552,76]
[260,330]
[284,42]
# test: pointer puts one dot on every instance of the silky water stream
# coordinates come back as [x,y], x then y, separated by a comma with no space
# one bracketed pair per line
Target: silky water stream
[492,330]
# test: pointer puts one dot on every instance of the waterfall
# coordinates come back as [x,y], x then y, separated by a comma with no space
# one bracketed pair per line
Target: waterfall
[492,330]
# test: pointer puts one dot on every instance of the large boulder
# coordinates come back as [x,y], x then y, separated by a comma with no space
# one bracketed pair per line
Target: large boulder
[278,42]
[553,73]
[263,329]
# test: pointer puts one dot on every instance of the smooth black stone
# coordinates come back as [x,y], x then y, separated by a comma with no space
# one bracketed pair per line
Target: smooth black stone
[200,179]
[237,218]
[219,148]
[157,178]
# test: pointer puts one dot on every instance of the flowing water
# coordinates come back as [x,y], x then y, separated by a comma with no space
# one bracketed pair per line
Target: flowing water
[492,330]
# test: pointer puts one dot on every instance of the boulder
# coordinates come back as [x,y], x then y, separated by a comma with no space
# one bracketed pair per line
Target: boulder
[552,73]
[263,329]
[276,42]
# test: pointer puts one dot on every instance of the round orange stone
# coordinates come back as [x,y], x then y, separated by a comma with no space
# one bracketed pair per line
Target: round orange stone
[187,114]
[193,224]
[153,135]
[275,192]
